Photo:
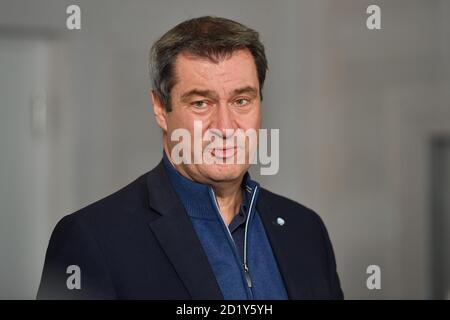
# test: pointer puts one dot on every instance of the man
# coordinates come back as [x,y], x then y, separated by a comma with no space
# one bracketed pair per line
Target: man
[196,229]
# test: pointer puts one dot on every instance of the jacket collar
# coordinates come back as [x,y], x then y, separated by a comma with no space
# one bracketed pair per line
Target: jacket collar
[198,196]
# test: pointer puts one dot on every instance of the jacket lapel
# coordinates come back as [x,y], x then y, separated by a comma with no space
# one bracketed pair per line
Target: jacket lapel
[296,284]
[177,237]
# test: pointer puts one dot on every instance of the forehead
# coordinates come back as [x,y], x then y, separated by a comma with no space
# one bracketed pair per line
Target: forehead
[236,70]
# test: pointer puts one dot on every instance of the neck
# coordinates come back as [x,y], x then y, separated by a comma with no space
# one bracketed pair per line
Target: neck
[229,198]
[228,193]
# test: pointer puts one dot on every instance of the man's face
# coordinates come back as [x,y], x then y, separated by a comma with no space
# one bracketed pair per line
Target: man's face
[220,96]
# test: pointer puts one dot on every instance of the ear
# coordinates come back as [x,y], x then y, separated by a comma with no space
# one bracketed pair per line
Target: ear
[159,110]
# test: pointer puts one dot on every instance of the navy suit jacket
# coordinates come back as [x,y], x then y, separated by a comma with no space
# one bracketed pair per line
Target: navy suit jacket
[139,243]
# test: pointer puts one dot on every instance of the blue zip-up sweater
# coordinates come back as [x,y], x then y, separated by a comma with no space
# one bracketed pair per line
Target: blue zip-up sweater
[256,275]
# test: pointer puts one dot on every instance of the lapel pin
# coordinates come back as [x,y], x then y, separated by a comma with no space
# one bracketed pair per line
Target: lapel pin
[280,221]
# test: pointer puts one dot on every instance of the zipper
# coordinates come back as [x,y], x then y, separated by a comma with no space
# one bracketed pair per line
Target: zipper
[247,223]
[245,268]
[247,276]
[220,215]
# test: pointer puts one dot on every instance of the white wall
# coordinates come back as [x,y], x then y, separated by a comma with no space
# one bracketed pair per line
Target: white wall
[24,169]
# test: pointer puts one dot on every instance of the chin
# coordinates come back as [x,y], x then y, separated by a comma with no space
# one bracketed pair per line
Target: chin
[225,172]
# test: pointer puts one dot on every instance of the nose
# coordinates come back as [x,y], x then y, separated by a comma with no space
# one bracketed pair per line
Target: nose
[223,122]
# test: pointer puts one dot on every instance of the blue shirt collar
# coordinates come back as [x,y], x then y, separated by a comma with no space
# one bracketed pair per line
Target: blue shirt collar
[197,195]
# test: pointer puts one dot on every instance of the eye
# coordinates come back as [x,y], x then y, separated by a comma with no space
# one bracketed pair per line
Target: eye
[241,102]
[201,104]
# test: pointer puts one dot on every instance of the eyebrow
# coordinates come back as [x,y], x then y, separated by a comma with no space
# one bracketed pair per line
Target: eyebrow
[248,89]
[213,95]
[197,92]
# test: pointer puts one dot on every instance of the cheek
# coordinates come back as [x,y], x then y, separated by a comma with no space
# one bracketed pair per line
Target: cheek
[187,123]
[251,121]
[177,119]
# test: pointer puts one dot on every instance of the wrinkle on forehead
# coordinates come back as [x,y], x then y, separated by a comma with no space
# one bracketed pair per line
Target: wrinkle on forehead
[238,69]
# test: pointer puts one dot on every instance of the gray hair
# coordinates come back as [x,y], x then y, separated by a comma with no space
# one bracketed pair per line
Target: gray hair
[210,37]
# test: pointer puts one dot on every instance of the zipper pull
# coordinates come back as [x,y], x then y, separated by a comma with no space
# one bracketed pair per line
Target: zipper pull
[247,276]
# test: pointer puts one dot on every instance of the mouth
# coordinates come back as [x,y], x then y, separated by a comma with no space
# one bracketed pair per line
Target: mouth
[224,153]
